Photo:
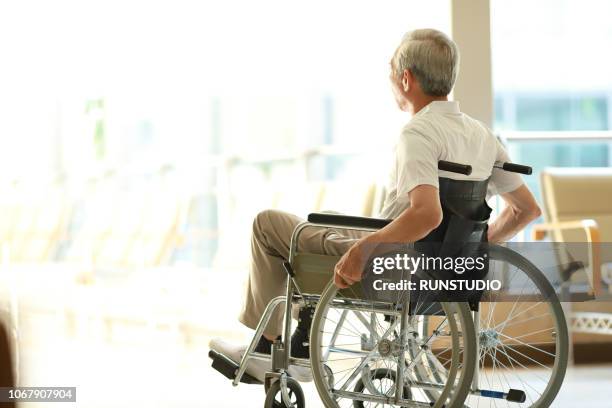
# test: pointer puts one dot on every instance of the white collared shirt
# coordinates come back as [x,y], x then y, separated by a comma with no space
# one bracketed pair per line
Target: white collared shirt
[440,131]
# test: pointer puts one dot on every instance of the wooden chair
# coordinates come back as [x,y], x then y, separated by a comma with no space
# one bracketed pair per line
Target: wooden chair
[578,209]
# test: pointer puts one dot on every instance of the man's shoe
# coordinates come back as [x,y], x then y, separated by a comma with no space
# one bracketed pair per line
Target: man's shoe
[264,346]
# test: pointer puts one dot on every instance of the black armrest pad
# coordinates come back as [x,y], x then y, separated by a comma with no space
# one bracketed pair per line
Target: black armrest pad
[338,220]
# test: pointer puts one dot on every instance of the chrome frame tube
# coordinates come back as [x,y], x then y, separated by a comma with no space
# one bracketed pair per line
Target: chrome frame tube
[263,322]
[369,324]
[305,224]
[353,352]
[354,307]
[336,333]
[476,379]
[401,362]
[357,396]
[286,341]
[379,398]
[301,362]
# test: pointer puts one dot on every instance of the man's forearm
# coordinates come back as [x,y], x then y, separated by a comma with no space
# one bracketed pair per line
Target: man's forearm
[508,224]
[412,225]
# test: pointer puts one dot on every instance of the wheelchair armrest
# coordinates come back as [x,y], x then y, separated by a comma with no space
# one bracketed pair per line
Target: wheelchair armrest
[347,221]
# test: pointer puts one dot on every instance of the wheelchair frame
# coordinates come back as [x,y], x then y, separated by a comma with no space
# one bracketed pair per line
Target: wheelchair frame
[281,349]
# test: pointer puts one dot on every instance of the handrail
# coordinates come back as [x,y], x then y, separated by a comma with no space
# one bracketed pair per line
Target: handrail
[557,135]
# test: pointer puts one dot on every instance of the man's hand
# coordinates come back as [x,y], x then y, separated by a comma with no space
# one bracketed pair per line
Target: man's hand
[418,220]
[350,267]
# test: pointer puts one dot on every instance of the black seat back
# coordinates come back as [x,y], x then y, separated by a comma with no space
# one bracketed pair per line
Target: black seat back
[465,217]
[462,233]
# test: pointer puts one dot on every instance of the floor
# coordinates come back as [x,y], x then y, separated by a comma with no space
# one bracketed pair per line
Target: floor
[584,387]
[163,372]
[141,365]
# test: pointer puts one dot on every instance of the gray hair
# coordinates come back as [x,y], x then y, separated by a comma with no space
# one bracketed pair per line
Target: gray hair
[432,57]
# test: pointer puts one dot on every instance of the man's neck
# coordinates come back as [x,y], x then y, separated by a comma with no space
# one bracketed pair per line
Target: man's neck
[422,101]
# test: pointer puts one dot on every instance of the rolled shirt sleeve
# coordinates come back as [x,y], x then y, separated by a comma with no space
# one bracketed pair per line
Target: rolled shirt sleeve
[417,161]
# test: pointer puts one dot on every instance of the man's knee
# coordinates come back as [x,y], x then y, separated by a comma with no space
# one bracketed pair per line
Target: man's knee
[264,220]
[274,228]
[274,225]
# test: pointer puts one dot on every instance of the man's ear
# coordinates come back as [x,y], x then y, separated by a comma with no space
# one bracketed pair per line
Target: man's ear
[406,80]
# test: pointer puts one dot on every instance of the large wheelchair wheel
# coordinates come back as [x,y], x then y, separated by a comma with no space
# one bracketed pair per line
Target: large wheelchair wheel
[522,336]
[358,356]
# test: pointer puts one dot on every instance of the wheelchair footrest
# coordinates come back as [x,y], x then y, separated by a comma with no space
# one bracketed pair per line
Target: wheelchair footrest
[229,368]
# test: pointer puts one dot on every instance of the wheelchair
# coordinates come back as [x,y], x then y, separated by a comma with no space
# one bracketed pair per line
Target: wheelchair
[510,348]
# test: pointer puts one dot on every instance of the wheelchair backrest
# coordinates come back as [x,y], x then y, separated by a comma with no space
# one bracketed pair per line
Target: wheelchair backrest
[464,221]
[461,233]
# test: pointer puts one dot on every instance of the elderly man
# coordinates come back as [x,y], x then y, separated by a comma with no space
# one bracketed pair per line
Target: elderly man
[423,71]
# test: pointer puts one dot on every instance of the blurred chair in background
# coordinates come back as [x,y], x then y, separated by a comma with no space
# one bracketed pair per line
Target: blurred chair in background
[577,209]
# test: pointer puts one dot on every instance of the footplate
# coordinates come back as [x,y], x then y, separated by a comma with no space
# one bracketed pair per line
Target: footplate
[229,368]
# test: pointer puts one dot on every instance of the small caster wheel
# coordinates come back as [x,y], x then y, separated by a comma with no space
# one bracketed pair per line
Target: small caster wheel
[383,379]
[274,397]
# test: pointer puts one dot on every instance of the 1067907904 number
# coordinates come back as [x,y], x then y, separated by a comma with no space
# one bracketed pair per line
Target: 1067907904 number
[37,394]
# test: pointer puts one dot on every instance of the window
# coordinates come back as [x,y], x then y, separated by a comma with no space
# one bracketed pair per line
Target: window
[551,67]
[551,72]
[221,101]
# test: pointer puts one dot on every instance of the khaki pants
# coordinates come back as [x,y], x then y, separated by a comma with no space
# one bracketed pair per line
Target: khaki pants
[269,248]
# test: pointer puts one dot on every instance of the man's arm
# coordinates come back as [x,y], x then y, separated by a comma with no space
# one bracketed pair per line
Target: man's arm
[521,209]
[418,220]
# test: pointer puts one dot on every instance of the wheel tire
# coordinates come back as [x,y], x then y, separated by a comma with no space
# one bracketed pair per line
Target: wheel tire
[274,397]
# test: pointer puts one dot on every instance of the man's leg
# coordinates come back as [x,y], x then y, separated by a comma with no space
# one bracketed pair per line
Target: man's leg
[270,242]
[271,238]
[267,278]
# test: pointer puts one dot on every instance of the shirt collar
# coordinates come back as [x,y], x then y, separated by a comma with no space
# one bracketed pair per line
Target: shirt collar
[441,107]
